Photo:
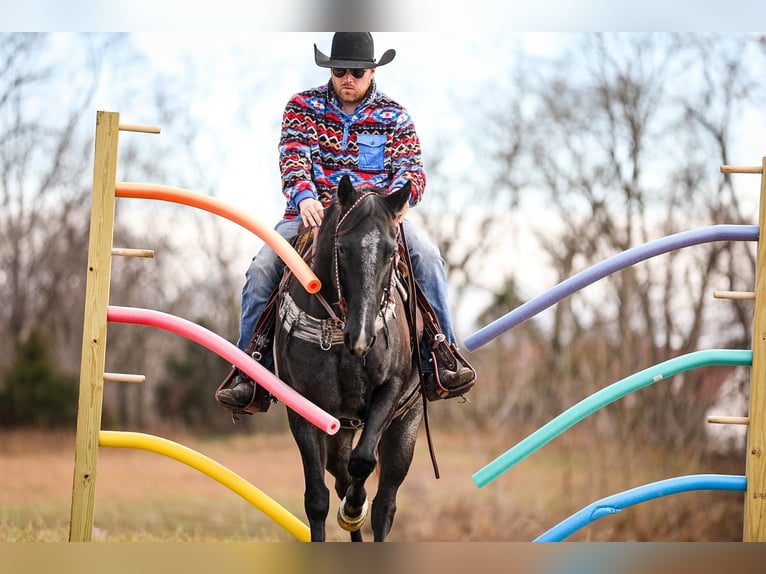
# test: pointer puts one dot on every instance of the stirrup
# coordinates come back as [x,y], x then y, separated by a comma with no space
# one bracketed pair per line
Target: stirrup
[260,402]
[433,389]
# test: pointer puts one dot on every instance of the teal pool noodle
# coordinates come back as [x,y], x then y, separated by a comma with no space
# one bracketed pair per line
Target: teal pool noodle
[604,397]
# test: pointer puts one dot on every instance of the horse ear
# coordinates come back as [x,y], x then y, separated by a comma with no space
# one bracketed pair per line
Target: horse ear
[345,190]
[398,199]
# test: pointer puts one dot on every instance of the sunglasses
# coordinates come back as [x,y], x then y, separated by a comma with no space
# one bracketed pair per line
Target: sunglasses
[356,72]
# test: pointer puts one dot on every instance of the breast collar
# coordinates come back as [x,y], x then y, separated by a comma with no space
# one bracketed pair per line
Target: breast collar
[326,332]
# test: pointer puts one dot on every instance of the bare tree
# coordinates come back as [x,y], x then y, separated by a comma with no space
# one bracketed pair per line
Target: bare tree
[43,196]
[619,142]
[473,180]
[623,138]
[45,186]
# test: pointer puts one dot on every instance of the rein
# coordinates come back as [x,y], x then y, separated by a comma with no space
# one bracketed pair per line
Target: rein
[341,219]
[339,323]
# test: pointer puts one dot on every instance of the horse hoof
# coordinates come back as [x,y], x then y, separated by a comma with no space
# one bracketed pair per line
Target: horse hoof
[348,523]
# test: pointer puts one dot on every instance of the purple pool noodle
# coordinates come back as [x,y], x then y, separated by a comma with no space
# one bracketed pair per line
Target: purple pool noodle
[604,268]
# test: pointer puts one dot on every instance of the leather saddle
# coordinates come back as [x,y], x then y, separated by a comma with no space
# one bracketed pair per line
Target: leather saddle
[420,315]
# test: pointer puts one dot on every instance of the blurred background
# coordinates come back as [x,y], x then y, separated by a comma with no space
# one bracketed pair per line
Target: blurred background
[546,153]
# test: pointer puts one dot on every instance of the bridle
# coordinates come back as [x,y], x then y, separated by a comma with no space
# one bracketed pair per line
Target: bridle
[340,321]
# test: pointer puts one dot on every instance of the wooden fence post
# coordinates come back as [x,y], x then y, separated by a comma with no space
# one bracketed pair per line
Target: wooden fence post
[94,326]
[755,495]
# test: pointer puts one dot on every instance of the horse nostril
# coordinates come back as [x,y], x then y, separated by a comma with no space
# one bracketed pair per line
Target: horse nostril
[357,347]
[352,348]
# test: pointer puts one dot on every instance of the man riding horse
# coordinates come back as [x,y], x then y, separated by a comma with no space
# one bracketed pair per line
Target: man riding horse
[347,127]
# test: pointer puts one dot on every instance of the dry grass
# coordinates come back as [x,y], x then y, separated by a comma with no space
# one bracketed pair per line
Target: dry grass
[141,496]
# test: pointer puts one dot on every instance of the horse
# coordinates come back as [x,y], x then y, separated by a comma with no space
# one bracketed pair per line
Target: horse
[355,359]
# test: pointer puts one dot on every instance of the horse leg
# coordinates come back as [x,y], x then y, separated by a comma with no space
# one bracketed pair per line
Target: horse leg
[338,452]
[353,509]
[363,459]
[397,447]
[316,497]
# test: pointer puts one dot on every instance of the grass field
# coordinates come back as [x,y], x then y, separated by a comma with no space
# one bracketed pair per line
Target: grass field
[142,496]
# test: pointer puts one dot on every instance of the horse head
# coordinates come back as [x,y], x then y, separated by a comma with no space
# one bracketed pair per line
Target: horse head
[366,237]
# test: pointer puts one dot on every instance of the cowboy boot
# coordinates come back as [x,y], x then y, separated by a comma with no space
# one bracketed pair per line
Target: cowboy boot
[239,394]
[458,378]
[447,384]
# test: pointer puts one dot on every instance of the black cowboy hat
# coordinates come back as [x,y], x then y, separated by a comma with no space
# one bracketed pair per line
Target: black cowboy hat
[352,50]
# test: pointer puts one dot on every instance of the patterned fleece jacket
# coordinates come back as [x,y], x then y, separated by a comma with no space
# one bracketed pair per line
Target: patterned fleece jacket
[376,145]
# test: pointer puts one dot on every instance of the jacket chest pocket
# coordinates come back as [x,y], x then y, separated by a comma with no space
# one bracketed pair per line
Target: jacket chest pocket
[372,148]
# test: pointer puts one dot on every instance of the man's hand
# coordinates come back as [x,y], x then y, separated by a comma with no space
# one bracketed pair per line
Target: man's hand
[312,212]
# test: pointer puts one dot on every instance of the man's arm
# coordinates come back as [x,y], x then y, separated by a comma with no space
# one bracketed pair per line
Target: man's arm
[295,153]
[406,159]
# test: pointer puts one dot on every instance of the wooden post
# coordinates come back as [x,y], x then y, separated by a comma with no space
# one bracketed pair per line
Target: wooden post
[755,495]
[94,326]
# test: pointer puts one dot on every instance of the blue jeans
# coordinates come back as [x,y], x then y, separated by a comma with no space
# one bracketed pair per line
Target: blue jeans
[266,269]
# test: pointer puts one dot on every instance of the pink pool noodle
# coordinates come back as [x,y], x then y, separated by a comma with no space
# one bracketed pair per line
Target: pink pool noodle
[230,352]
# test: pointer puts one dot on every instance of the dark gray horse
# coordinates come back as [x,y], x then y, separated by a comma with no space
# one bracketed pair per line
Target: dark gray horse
[349,352]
